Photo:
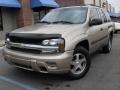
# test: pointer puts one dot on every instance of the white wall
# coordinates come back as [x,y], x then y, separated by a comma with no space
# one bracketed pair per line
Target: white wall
[97,2]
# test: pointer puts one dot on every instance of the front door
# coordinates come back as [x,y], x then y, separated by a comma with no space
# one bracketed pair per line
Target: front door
[95,32]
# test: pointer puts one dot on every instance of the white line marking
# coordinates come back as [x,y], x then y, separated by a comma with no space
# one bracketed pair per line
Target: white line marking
[27,87]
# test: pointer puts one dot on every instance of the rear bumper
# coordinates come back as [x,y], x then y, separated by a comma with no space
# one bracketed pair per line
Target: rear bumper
[44,63]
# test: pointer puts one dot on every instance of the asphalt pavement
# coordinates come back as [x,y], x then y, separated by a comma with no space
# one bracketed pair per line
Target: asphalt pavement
[104,74]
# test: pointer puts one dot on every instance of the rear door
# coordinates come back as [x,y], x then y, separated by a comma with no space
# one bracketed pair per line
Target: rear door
[104,27]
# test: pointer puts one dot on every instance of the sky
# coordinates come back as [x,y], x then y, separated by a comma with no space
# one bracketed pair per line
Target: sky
[116,4]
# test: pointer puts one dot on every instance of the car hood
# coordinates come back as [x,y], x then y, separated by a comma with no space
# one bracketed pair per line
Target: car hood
[64,30]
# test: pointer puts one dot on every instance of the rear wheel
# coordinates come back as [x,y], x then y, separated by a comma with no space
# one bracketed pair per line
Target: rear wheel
[116,31]
[108,47]
[80,63]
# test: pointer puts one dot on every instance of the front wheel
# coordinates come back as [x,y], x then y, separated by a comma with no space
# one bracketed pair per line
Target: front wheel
[80,63]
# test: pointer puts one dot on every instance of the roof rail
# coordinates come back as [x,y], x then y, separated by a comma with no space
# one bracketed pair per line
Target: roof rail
[89,5]
[93,5]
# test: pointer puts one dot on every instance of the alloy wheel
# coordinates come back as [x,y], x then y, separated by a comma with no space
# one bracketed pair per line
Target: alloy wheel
[78,64]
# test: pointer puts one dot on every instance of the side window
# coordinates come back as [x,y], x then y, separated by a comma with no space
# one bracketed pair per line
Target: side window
[102,15]
[94,14]
[1,21]
[108,17]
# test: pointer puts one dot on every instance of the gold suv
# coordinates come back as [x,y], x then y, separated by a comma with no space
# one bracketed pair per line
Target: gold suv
[62,41]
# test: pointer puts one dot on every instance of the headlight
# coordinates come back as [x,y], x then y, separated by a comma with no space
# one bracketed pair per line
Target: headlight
[60,43]
[52,42]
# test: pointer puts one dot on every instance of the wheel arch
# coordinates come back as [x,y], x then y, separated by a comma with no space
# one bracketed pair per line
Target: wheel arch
[84,44]
[111,34]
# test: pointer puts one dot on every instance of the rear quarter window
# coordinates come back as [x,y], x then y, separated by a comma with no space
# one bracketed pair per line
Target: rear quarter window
[107,16]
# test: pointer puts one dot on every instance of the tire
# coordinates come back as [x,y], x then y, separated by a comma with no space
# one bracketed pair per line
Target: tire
[80,63]
[116,31]
[108,47]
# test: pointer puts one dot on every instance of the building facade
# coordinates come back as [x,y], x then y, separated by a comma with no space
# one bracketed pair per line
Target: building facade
[19,13]
[8,21]
[111,9]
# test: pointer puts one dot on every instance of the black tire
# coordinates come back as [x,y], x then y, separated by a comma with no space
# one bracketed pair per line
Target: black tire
[116,31]
[108,47]
[83,51]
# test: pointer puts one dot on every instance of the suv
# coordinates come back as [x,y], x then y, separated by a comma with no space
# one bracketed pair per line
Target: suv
[62,42]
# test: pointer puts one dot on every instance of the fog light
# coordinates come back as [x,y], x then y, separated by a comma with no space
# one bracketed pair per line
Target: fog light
[51,65]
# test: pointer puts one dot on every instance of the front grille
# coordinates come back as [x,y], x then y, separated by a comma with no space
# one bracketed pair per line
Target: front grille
[25,50]
[25,40]
[28,39]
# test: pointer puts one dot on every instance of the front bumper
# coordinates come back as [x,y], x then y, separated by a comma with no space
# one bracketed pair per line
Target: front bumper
[44,63]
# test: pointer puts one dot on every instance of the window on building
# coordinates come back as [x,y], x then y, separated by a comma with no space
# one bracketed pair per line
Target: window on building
[38,15]
[94,2]
[1,23]
[100,3]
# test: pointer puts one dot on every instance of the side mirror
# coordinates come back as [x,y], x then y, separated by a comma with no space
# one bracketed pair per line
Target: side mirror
[95,22]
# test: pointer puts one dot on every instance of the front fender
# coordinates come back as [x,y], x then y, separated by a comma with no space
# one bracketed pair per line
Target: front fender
[72,41]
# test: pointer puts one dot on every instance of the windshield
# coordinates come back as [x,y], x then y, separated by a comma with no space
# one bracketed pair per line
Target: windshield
[76,15]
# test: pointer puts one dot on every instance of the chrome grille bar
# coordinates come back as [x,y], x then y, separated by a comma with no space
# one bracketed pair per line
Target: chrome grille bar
[31,46]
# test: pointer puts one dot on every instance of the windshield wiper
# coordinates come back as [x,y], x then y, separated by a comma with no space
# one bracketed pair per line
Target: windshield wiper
[63,22]
[45,22]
